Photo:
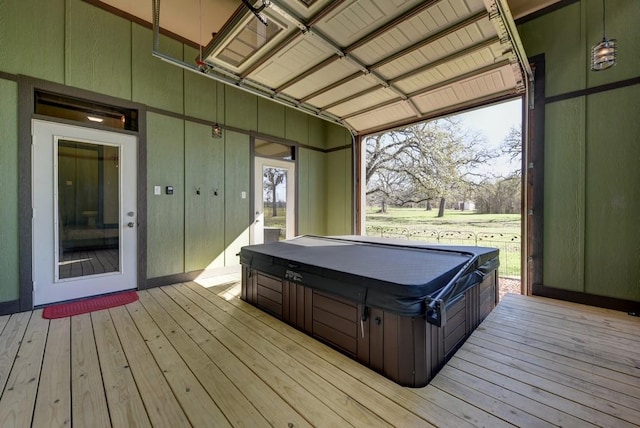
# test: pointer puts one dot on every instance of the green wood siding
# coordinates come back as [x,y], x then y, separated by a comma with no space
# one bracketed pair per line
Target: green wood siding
[74,43]
[156,82]
[339,182]
[312,202]
[317,133]
[563,44]
[92,36]
[9,180]
[32,38]
[200,93]
[612,257]
[591,175]
[564,195]
[271,118]
[204,198]
[241,109]
[165,213]
[622,24]
[237,174]
[297,126]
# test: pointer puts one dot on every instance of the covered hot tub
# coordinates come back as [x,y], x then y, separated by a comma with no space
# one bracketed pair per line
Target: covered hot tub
[399,307]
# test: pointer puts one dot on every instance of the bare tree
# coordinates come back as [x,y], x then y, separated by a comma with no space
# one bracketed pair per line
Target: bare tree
[272,178]
[423,162]
[512,148]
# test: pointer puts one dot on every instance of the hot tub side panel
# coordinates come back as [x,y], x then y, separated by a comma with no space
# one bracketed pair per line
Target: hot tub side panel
[407,350]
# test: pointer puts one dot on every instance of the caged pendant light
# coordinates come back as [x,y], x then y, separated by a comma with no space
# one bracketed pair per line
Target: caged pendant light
[603,54]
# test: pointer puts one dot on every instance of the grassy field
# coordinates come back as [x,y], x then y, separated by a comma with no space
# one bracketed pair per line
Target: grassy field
[456,227]
[453,219]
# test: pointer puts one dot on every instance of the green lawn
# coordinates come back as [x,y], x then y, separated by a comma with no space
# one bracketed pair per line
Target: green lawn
[456,227]
[453,219]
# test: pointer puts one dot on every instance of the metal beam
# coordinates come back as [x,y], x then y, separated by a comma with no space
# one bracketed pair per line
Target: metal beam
[437,36]
[454,56]
[430,88]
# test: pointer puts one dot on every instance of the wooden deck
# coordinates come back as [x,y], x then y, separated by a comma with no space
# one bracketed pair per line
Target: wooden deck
[186,355]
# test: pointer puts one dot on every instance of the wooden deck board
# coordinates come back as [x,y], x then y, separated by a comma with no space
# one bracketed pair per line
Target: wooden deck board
[53,403]
[88,399]
[236,407]
[187,355]
[126,406]
[198,407]
[261,395]
[277,375]
[18,398]
[341,393]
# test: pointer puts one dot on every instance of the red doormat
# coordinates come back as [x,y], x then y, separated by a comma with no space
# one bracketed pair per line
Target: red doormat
[89,305]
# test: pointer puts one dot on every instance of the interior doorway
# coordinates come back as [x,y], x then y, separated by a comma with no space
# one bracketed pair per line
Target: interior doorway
[84,212]
[274,200]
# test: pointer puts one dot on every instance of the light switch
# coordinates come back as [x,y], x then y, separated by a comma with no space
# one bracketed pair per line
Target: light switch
[157,190]
[243,195]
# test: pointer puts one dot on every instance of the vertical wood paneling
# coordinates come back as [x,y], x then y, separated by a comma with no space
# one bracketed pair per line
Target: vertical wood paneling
[237,173]
[296,126]
[312,206]
[97,50]
[32,38]
[241,109]
[622,24]
[564,196]
[339,183]
[9,179]
[559,36]
[271,118]
[155,82]
[317,132]
[204,198]
[613,194]
[591,152]
[200,93]
[165,213]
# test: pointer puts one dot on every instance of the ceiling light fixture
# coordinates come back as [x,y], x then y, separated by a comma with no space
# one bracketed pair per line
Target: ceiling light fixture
[603,54]
[95,119]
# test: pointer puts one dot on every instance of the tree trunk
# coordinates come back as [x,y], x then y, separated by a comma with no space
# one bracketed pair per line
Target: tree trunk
[428,204]
[273,201]
[383,207]
[441,209]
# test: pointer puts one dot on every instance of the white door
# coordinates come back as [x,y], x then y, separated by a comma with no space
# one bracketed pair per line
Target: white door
[274,201]
[84,212]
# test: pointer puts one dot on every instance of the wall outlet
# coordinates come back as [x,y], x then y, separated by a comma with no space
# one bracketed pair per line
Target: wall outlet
[157,190]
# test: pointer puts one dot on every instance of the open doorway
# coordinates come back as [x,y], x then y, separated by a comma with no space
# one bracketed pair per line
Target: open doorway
[453,180]
[274,192]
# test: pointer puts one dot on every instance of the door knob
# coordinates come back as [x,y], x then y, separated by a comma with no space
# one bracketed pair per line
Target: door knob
[131,224]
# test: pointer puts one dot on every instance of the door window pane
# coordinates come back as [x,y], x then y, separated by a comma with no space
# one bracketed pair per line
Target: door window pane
[88,209]
[274,185]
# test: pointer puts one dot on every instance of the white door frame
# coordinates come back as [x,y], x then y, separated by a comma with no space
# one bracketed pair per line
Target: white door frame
[47,286]
[256,231]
